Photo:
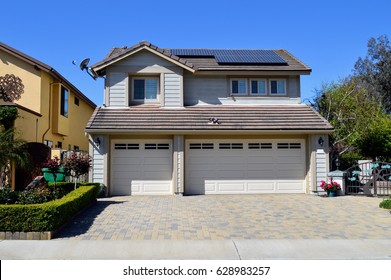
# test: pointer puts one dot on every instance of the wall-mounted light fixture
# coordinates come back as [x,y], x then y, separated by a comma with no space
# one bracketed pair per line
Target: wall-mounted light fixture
[97,141]
[321,141]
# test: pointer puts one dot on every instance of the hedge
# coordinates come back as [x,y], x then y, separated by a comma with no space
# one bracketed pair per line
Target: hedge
[385,204]
[47,216]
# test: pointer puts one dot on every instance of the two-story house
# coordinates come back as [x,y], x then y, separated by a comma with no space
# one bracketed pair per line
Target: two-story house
[51,110]
[205,121]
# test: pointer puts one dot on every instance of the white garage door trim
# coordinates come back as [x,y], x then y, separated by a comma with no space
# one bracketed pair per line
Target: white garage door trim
[245,166]
[141,167]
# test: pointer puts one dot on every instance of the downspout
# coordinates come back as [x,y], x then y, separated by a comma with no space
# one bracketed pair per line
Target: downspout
[50,113]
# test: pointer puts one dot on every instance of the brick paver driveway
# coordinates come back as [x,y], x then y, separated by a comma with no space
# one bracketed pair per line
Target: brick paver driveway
[231,216]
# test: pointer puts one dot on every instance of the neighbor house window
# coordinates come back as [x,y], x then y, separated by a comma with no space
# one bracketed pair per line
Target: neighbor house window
[239,86]
[277,87]
[48,143]
[145,88]
[77,101]
[258,87]
[64,102]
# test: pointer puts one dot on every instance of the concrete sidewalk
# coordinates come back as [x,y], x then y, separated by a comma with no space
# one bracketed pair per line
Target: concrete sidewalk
[271,249]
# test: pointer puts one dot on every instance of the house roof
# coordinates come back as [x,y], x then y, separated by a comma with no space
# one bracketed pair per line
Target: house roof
[48,69]
[198,118]
[212,59]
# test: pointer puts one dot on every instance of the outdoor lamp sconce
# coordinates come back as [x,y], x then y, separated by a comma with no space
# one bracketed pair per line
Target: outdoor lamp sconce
[97,141]
[321,141]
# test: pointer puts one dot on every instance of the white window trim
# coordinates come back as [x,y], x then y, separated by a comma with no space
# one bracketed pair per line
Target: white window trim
[277,94]
[146,78]
[238,79]
[258,94]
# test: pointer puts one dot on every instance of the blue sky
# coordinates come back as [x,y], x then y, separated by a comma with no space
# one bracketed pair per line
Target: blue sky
[329,36]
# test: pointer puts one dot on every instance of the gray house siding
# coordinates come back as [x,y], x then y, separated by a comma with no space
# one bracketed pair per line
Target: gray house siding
[117,89]
[204,90]
[215,90]
[172,90]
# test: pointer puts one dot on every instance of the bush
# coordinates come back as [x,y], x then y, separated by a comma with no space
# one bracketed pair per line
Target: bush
[385,204]
[8,196]
[47,216]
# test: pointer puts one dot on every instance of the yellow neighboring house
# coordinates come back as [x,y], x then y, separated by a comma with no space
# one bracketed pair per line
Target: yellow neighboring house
[51,110]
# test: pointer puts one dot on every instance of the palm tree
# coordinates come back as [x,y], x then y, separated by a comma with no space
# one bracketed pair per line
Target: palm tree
[12,152]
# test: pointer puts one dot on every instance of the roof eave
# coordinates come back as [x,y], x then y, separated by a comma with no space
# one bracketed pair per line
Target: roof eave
[210,132]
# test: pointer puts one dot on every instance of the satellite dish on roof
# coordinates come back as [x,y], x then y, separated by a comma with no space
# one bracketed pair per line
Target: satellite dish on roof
[84,63]
[84,66]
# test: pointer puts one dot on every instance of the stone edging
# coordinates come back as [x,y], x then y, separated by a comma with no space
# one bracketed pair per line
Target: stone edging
[44,235]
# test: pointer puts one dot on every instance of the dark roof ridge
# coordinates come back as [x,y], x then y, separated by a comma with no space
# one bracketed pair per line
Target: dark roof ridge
[295,58]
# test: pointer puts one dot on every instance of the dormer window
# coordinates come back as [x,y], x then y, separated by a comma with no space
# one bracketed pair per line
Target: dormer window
[145,88]
[277,87]
[239,86]
[258,87]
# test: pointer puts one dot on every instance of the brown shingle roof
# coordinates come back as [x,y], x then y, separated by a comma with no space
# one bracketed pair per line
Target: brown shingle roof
[197,118]
[204,63]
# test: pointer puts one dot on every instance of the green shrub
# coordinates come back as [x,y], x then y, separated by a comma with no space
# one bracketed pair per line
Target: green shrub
[385,204]
[47,216]
[8,196]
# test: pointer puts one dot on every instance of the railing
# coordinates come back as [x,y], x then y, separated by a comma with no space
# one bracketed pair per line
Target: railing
[369,178]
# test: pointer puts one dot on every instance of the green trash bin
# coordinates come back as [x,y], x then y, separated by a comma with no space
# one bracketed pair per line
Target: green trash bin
[48,175]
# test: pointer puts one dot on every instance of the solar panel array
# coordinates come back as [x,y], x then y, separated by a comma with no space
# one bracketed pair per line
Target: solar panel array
[233,56]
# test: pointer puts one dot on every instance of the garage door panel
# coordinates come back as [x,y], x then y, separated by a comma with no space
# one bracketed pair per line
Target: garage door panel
[260,175]
[292,187]
[231,187]
[261,187]
[255,168]
[126,175]
[146,170]
[259,159]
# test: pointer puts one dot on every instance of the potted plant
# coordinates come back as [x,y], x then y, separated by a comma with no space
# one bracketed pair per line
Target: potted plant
[331,188]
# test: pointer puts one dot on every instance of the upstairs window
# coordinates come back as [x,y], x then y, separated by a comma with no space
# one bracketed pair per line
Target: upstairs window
[277,87]
[145,89]
[64,102]
[258,87]
[239,86]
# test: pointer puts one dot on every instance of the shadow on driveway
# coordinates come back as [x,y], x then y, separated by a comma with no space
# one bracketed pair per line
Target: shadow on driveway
[82,222]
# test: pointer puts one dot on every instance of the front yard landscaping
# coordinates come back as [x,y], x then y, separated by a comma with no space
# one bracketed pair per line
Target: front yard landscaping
[47,216]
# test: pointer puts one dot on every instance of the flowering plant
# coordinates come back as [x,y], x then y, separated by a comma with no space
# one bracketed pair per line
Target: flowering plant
[330,187]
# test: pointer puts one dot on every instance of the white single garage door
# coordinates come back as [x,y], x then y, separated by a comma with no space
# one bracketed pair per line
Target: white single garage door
[141,167]
[251,166]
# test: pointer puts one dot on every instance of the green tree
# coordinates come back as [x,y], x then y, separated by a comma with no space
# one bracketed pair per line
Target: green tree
[375,143]
[375,70]
[77,164]
[12,151]
[350,109]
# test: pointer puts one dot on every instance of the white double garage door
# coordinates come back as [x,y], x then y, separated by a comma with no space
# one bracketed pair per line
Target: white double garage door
[211,167]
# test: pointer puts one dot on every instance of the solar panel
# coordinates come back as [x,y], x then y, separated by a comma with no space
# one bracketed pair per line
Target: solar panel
[233,56]
[193,52]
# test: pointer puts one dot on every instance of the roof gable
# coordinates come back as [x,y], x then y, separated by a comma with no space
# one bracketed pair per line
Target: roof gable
[118,54]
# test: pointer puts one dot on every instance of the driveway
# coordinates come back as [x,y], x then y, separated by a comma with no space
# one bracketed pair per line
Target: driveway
[221,217]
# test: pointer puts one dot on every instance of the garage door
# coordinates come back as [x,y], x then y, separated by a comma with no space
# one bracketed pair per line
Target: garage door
[229,167]
[141,167]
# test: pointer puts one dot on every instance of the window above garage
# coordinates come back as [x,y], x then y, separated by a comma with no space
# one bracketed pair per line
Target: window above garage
[258,87]
[145,89]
